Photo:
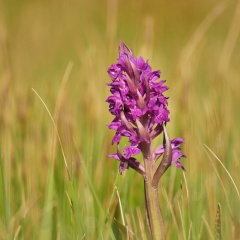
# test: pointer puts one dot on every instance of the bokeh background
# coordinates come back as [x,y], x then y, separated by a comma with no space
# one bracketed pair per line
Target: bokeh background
[54,57]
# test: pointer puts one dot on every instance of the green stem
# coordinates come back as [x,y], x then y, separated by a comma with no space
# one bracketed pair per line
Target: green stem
[151,195]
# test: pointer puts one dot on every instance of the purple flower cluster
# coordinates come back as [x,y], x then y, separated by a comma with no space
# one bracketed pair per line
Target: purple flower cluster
[139,107]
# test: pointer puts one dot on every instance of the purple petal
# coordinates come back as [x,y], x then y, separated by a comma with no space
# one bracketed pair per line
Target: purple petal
[114,71]
[117,138]
[114,156]
[153,76]
[136,112]
[176,154]
[141,64]
[159,150]
[177,141]
[114,125]
[179,165]
[162,116]
[131,151]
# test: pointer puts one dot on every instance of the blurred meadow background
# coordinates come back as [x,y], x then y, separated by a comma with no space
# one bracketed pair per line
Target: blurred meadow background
[56,181]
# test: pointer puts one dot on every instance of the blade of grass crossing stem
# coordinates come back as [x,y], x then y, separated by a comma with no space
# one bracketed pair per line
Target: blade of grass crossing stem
[4,207]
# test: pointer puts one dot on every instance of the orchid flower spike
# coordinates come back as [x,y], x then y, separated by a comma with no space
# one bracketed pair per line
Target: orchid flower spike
[140,110]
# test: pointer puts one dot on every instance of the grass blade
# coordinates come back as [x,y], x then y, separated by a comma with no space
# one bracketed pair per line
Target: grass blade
[4,203]
[234,184]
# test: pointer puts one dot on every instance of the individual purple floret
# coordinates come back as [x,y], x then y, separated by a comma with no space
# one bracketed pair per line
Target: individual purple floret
[140,110]
[176,152]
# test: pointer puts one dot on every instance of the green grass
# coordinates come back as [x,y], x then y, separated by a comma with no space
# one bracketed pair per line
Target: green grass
[62,50]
